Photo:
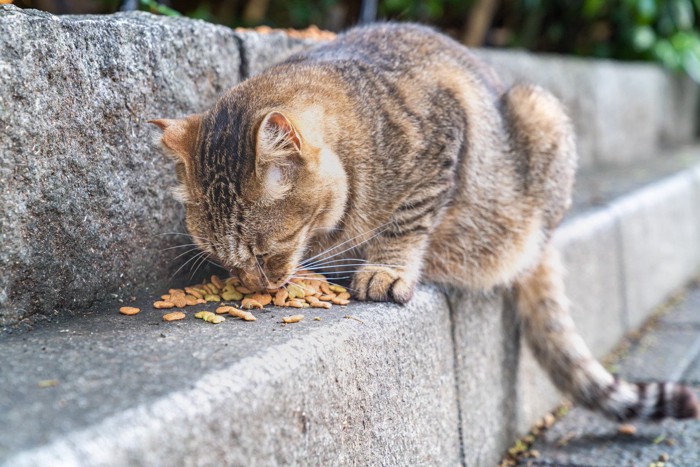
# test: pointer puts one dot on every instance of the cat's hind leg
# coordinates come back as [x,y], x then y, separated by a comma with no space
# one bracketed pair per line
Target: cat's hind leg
[544,150]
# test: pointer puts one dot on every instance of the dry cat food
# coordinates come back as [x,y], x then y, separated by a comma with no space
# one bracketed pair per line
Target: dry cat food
[312,292]
[292,319]
[209,317]
[129,310]
[174,316]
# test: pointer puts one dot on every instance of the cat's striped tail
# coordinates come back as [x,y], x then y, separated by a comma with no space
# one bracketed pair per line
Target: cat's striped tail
[552,336]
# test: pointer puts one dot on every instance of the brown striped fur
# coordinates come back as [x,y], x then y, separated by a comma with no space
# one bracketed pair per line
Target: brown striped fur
[397,141]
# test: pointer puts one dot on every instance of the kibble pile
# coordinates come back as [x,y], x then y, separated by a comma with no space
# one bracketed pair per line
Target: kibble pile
[312,292]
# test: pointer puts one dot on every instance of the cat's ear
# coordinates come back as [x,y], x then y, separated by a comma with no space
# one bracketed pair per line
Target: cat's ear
[278,153]
[179,136]
[277,137]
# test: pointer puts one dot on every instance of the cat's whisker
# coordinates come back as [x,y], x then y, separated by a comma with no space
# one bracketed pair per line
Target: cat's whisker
[180,246]
[392,266]
[306,261]
[186,252]
[205,259]
[184,234]
[262,272]
[345,271]
[311,265]
[323,263]
[185,263]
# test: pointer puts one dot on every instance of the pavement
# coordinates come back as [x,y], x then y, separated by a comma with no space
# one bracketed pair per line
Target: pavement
[667,349]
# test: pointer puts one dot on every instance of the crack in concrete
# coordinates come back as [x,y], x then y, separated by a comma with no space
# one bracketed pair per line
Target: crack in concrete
[243,67]
[455,367]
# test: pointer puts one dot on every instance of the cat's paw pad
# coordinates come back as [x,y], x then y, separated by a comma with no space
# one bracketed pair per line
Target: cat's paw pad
[381,285]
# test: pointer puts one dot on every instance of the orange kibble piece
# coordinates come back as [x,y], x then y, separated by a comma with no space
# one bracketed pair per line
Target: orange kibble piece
[262,298]
[174,316]
[281,297]
[129,310]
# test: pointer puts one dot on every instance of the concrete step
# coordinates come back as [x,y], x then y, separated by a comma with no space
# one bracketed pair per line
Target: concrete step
[441,381]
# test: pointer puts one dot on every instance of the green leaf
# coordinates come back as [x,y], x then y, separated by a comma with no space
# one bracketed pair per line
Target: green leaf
[682,14]
[690,62]
[666,54]
[156,7]
[646,10]
[643,38]
[592,8]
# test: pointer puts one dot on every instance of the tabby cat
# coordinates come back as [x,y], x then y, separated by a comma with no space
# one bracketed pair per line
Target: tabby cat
[395,150]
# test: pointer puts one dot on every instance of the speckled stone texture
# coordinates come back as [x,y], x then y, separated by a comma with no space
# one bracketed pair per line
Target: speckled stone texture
[86,197]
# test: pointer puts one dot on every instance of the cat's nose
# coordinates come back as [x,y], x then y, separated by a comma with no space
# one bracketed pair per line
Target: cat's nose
[252,281]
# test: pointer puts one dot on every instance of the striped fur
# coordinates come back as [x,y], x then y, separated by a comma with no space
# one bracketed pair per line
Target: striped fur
[397,143]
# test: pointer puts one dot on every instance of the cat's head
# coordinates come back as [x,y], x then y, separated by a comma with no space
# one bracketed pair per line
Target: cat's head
[257,186]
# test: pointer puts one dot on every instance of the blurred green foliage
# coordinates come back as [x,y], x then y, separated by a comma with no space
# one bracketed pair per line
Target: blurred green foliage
[665,31]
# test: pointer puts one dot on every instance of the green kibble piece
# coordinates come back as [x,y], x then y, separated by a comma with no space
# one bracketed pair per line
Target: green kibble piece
[212,298]
[209,317]
[231,295]
[214,319]
[295,291]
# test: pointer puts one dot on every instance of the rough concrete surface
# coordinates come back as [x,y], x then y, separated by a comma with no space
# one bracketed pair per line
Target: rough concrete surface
[379,391]
[584,439]
[590,251]
[86,193]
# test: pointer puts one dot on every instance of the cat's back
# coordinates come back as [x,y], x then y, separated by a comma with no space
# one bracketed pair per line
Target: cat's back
[400,49]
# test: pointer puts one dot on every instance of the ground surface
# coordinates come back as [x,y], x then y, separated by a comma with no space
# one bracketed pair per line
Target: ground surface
[671,350]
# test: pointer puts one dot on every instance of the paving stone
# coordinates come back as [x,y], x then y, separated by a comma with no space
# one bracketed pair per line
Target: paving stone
[663,354]
[688,312]
[583,439]
[693,373]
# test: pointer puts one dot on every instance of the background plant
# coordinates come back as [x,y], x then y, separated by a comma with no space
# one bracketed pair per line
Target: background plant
[665,31]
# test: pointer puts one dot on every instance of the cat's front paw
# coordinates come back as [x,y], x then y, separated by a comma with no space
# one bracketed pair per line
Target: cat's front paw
[381,285]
